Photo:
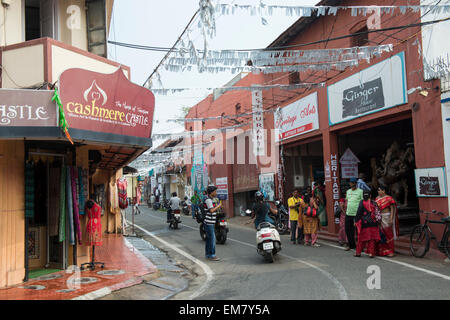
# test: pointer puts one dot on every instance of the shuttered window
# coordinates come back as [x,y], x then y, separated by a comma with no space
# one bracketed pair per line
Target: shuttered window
[96,26]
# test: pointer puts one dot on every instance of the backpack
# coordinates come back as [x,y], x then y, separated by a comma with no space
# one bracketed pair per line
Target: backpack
[310,212]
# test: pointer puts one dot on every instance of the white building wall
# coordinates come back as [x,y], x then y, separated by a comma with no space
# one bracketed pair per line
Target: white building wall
[445,99]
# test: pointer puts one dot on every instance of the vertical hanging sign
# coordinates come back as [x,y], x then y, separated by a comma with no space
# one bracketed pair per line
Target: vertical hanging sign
[258,123]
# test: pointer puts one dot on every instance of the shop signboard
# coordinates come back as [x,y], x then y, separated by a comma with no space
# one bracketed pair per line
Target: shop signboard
[431,182]
[349,165]
[298,118]
[27,108]
[267,185]
[222,188]
[107,103]
[378,87]
[258,123]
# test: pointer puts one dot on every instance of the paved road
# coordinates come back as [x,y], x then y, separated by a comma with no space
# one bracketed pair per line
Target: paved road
[298,272]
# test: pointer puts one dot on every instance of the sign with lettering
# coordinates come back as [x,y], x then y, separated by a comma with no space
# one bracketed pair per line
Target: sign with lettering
[431,182]
[222,188]
[363,98]
[378,87]
[298,118]
[334,173]
[349,165]
[258,123]
[107,103]
[27,108]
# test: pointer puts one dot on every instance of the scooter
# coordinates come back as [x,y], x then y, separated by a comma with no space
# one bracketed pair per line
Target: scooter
[185,208]
[268,242]
[176,219]
[220,228]
[281,219]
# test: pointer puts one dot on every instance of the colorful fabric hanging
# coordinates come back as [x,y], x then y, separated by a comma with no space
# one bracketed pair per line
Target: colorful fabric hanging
[29,190]
[76,214]
[94,226]
[62,206]
[62,118]
[69,206]
[81,196]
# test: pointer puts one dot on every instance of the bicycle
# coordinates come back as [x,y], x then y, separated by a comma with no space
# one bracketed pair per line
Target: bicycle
[421,235]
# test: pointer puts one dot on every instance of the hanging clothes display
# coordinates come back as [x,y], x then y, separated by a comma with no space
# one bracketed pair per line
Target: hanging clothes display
[81,195]
[62,207]
[94,225]
[69,206]
[29,190]
[76,214]
[113,197]
[54,201]
[99,195]
[122,185]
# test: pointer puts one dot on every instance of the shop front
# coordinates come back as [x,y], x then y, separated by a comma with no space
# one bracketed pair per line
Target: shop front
[48,174]
[379,129]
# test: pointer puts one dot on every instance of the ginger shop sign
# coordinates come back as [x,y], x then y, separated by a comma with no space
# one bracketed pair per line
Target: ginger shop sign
[107,103]
[378,87]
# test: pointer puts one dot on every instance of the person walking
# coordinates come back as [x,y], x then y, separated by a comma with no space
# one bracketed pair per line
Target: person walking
[210,220]
[353,198]
[295,204]
[389,223]
[366,222]
[311,223]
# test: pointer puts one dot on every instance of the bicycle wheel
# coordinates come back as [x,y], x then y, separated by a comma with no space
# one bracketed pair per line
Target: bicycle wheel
[446,241]
[419,241]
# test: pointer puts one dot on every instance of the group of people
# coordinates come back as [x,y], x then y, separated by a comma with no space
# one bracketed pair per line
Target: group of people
[371,218]
[305,212]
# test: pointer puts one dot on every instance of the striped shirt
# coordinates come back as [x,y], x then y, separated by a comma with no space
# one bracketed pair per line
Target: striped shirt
[210,217]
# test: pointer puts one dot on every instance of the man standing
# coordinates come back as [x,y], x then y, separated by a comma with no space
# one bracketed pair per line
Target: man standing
[353,198]
[210,221]
[296,204]
[196,201]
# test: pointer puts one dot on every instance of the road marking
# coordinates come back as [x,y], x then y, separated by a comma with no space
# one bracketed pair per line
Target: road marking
[208,271]
[342,292]
[433,273]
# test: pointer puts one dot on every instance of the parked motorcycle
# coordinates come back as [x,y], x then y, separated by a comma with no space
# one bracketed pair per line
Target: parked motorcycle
[281,219]
[268,242]
[175,220]
[220,228]
[156,206]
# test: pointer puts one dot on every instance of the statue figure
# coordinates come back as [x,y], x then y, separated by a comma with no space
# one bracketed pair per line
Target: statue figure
[396,166]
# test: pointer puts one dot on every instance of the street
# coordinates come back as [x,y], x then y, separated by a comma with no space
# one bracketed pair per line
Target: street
[298,272]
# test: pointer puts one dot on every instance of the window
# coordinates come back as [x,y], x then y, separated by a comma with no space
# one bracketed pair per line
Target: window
[294,77]
[238,108]
[360,37]
[96,26]
[40,19]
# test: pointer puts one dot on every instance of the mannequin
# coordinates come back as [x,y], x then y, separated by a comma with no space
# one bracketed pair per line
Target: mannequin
[94,231]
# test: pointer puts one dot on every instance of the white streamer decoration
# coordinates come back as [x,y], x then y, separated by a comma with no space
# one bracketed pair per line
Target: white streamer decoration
[271,61]
[308,11]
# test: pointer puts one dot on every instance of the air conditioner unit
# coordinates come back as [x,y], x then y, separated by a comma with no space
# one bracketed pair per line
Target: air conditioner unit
[298,181]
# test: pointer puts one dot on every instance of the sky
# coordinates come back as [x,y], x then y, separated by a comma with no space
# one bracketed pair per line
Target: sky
[160,23]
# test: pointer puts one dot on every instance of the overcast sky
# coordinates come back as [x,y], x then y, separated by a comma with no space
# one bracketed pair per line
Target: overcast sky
[159,23]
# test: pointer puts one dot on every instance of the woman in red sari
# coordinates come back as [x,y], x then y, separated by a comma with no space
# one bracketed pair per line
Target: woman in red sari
[366,222]
[389,222]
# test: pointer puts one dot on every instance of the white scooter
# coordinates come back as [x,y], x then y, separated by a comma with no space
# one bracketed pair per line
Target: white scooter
[268,242]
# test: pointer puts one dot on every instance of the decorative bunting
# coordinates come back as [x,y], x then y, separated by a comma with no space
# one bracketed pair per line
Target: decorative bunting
[252,88]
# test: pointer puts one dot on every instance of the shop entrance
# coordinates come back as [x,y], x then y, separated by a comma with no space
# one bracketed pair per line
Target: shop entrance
[386,155]
[303,166]
[45,250]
